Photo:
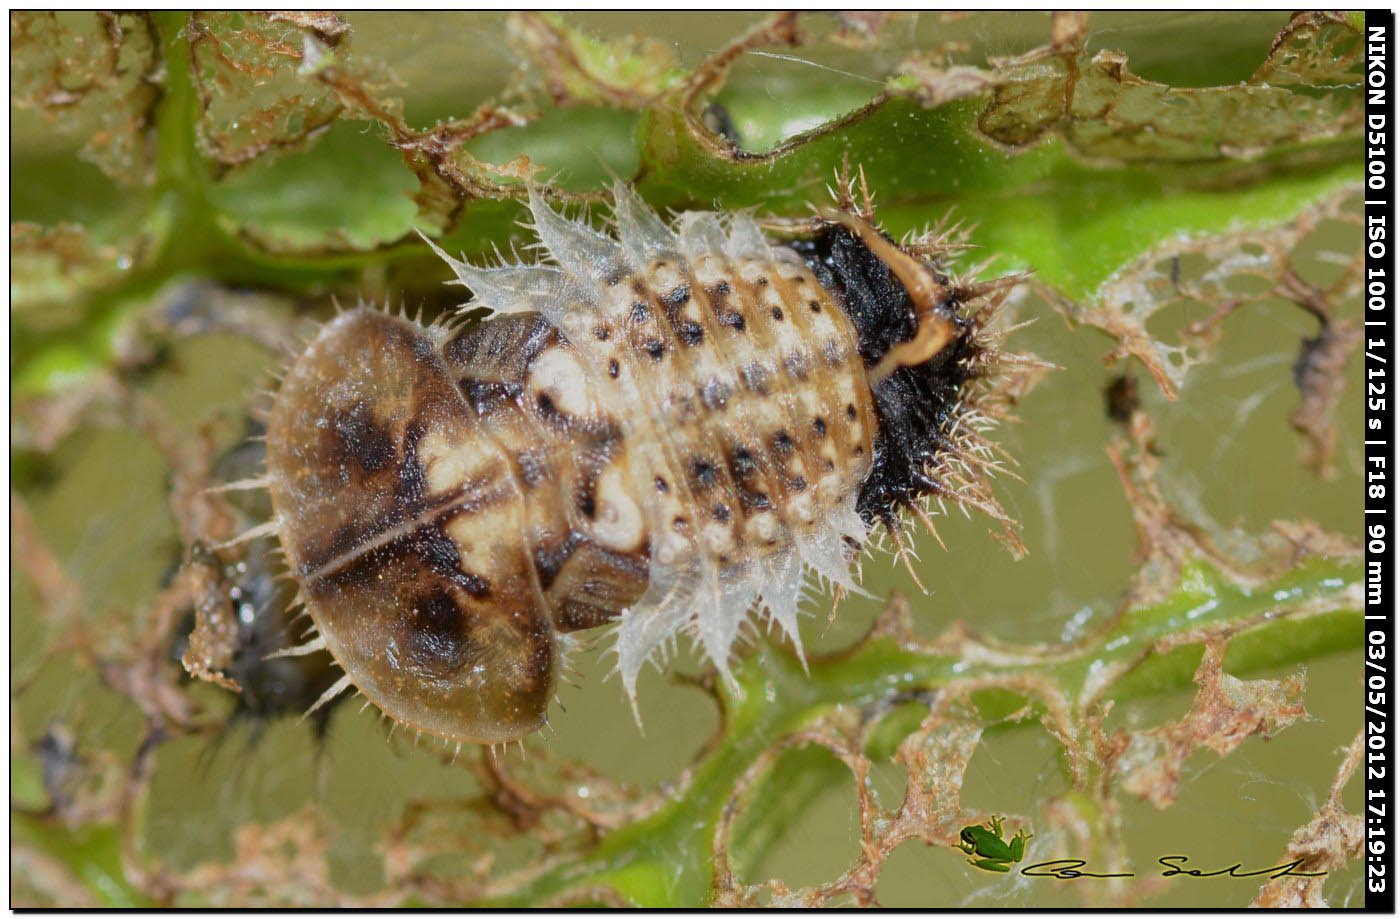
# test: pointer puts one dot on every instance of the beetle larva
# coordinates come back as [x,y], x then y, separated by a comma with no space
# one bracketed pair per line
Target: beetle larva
[663,431]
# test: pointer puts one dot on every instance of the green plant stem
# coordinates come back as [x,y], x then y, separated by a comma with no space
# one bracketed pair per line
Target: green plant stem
[664,860]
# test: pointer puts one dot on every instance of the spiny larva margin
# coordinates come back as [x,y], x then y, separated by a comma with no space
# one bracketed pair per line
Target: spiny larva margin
[665,431]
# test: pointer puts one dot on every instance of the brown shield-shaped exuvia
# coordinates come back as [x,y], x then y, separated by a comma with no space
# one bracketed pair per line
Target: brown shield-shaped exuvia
[403,526]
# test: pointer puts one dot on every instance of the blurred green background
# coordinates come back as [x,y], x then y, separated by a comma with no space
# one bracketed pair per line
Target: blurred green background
[157,219]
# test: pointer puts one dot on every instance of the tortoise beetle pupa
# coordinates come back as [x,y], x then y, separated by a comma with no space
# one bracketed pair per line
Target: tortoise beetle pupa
[665,431]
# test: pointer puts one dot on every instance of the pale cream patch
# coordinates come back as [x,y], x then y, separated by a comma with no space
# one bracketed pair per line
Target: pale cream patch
[617,301]
[448,462]
[831,489]
[485,536]
[750,270]
[764,527]
[809,397]
[801,509]
[577,327]
[846,392]
[786,337]
[672,549]
[718,538]
[708,366]
[822,328]
[665,277]
[618,522]
[690,312]
[796,467]
[710,270]
[558,374]
[770,413]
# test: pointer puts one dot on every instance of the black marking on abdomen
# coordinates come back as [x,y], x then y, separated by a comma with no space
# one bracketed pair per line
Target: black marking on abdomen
[550,560]
[435,635]
[361,439]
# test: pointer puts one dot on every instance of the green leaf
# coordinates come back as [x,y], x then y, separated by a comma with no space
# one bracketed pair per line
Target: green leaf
[348,191]
[1242,154]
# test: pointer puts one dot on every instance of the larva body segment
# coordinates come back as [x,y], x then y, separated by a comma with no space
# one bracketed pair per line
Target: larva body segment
[666,431]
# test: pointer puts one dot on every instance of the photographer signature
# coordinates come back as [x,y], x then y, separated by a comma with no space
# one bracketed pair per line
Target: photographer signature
[1070,869]
[987,848]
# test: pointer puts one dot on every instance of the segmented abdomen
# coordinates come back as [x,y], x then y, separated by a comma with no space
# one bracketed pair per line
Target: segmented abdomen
[743,403]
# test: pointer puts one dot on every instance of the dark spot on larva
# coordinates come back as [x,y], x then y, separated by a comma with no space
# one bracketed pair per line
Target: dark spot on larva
[732,319]
[473,584]
[723,559]
[743,462]
[678,524]
[413,479]
[435,635]
[705,473]
[691,333]
[860,451]
[782,443]
[488,396]
[714,394]
[754,500]
[639,288]
[762,281]
[720,290]
[613,368]
[549,560]
[798,280]
[661,485]
[830,465]
[546,406]
[361,438]
[819,425]
[721,513]
[616,276]
[678,297]
[655,349]
[586,496]
[798,484]
[814,305]
[602,332]
[777,314]
[851,411]
[439,553]
[831,352]
[640,312]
